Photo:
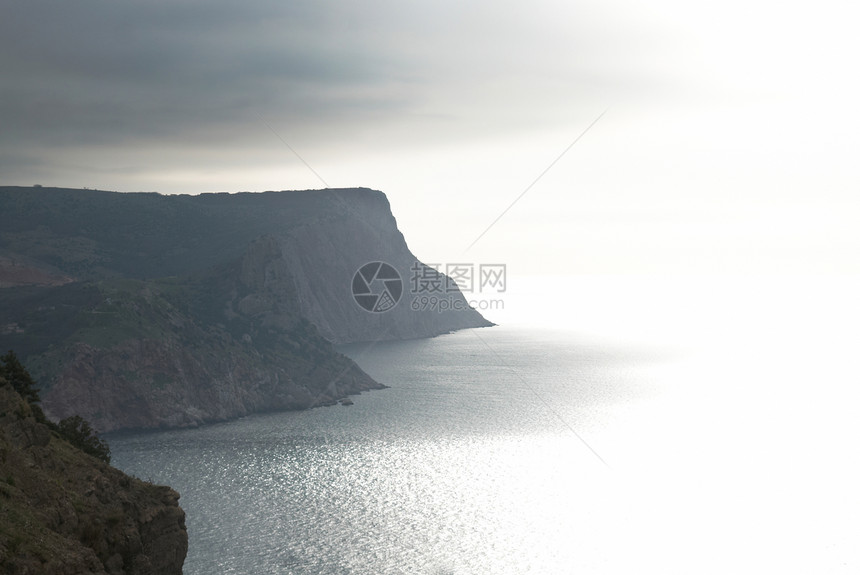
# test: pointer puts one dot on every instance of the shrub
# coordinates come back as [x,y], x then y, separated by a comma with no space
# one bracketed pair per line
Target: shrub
[14,372]
[77,431]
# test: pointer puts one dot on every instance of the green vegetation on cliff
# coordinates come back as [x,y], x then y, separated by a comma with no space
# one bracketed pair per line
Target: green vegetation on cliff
[74,429]
[64,511]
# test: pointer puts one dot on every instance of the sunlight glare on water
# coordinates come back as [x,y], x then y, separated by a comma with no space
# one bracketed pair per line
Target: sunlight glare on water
[728,427]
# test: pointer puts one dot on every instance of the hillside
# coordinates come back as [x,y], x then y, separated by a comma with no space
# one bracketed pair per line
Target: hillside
[141,311]
[63,511]
[177,352]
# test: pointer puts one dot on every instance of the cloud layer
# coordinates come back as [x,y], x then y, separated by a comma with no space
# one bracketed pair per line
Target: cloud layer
[201,74]
[720,114]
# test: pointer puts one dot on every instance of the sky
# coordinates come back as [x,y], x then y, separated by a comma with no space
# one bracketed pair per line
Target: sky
[615,137]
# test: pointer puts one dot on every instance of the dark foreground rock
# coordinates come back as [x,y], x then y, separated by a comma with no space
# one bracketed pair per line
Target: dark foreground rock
[65,512]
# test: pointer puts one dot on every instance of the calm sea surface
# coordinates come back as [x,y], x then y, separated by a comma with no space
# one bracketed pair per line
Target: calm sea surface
[688,431]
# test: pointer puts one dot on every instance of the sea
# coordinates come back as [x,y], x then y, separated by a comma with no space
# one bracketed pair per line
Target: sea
[607,425]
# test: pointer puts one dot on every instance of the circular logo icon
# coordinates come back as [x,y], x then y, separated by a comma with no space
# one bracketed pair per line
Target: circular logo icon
[377,287]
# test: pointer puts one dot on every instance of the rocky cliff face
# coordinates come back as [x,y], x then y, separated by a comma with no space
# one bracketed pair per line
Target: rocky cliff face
[214,347]
[325,256]
[65,512]
[147,384]
[147,311]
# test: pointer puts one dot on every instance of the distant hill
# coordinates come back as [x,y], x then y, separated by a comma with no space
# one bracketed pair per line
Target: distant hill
[92,234]
[324,237]
[147,311]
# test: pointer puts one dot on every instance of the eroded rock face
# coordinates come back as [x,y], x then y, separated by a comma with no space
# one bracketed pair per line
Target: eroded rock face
[158,385]
[364,231]
[65,512]
[239,347]
[193,309]
[25,272]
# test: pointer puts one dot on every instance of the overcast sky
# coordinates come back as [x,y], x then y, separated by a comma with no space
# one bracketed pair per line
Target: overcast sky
[729,142]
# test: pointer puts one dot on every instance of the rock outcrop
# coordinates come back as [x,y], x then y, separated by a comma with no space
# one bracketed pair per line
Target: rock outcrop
[65,512]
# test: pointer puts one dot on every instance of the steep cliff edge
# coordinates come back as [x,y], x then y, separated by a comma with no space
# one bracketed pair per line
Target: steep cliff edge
[324,237]
[64,512]
[360,228]
[142,311]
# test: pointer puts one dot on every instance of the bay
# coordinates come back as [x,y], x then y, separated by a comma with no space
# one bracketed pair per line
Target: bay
[658,436]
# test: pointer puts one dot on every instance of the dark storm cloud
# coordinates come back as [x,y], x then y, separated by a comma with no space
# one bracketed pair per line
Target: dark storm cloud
[89,79]
[85,71]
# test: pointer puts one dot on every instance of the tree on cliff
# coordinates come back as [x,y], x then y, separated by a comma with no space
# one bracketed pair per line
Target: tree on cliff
[13,371]
[76,430]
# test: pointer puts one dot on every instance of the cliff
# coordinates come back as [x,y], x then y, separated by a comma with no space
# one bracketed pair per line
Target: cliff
[148,311]
[362,229]
[65,512]
[144,354]
[51,236]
